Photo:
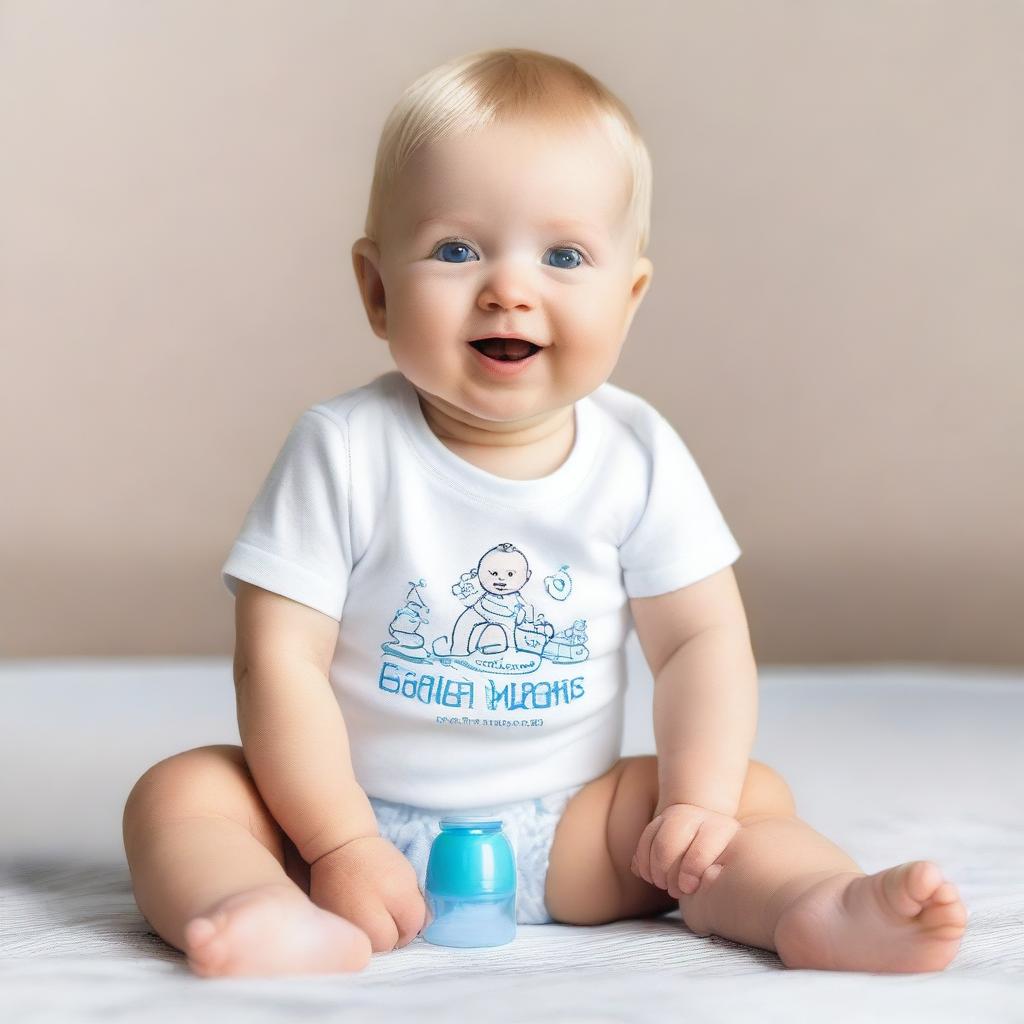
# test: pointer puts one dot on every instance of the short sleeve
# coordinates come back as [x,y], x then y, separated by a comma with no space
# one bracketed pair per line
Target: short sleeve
[295,540]
[680,536]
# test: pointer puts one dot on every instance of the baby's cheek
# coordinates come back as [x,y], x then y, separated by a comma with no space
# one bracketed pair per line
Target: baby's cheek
[411,318]
[581,364]
[426,303]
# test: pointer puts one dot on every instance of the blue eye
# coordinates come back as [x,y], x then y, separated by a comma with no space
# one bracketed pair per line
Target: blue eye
[565,257]
[567,252]
[462,252]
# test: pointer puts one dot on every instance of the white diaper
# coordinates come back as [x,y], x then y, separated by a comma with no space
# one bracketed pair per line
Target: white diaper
[529,825]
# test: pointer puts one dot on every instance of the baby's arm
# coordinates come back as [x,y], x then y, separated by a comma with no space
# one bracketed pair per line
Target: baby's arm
[296,746]
[697,644]
[291,726]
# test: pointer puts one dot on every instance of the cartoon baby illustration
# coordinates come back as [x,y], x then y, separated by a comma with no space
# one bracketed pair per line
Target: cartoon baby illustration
[488,625]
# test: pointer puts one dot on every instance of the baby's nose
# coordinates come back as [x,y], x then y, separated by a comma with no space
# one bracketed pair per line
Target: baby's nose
[507,287]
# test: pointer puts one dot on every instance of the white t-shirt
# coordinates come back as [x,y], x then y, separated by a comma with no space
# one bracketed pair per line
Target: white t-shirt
[480,655]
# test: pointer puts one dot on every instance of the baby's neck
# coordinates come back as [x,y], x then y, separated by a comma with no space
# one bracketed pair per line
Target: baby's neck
[525,450]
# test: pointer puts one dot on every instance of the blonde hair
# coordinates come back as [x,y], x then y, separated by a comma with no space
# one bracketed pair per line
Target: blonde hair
[494,86]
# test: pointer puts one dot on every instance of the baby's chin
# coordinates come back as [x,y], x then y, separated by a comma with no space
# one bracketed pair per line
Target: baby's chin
[490,408]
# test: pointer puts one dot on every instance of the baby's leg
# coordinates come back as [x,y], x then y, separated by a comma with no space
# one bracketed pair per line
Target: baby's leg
[783,886]
[208,871]
[779,885]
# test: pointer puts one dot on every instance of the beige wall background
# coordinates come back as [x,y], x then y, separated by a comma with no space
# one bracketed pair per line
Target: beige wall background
[835,324]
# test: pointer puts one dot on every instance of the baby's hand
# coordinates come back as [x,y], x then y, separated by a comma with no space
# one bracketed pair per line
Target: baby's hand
[370,883]
[679,845]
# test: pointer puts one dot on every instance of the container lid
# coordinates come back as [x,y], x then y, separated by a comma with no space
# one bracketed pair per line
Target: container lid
[483,822]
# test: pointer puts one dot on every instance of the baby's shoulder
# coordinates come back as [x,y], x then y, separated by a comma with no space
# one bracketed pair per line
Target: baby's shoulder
[374,401]
[375,392]
[632,419]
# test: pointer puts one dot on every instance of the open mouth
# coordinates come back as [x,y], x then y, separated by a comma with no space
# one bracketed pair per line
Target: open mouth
[505,349]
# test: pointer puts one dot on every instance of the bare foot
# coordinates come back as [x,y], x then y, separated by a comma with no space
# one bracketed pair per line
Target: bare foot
[902,920]
[273,929]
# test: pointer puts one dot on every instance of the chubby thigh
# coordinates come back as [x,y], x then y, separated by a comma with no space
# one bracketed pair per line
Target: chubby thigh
[589,880]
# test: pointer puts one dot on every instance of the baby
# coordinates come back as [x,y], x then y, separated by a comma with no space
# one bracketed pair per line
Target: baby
[435,582]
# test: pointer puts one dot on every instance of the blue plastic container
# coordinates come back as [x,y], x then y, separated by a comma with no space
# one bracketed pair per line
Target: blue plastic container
[470,888]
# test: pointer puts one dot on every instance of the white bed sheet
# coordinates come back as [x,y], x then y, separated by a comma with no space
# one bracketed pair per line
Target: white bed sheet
[893,762]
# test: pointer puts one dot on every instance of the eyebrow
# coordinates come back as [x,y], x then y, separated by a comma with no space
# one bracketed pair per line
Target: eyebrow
[560,224]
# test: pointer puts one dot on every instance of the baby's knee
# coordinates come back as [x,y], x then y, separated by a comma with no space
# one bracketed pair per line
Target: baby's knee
[765,791]
[190,782]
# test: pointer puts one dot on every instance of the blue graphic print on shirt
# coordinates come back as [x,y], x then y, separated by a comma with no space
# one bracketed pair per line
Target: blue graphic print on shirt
[497,632]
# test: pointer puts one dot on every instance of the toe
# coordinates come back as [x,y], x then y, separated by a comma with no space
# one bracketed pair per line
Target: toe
[896,891]
[210,959]
[199,931]
[944,916]
[205,946]
[908,886]
[923,879]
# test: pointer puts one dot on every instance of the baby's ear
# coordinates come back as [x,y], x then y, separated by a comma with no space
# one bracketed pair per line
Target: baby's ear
[643,271]
[366,263]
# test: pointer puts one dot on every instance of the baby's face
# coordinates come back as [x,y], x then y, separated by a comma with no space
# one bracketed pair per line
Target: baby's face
[501,572]
[517,229]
